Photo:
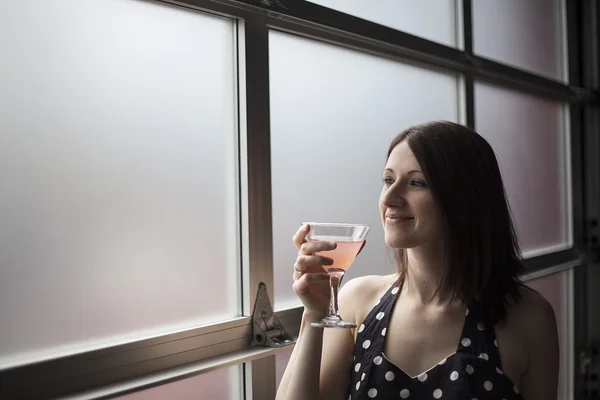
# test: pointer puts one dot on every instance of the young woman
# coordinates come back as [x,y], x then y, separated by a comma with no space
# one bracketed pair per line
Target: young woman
[454,322]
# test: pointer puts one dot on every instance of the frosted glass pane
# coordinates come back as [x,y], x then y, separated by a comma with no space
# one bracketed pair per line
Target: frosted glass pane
[431,19]
[556,289]
[221,384]
[281,361]
[524,33]
[118,171]
[331,126]
[527,135]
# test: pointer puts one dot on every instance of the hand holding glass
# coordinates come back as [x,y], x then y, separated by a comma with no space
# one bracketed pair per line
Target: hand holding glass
[349,239]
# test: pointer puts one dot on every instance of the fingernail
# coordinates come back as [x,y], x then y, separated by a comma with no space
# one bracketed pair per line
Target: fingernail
[333,244]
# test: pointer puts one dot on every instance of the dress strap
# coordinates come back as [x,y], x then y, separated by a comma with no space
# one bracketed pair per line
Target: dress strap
[371,333]
[478,336]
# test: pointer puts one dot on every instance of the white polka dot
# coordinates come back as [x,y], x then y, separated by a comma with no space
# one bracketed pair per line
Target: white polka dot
[404,393]
[372,393]
[395,290]
[380,315]
[442,362]
[366,344]
[484,356]
[516,389]
[357,385]
[454,376]
[469,370]
[487,385]
[466,342]
[362,378]
[499,371]
[495,343]
[378,301]
[383,331]
[437,393]
[389,376]
[467,313]
[356,367]
[481,326]
[422,377]
[361,328]
[377,360]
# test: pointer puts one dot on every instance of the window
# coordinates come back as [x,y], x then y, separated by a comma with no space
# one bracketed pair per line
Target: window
[330,129]
[531,142]
[118,161]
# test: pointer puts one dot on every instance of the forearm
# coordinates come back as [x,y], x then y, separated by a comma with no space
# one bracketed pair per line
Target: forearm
[300,380]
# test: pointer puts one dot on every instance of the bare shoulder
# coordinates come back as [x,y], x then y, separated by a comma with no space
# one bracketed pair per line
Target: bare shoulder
[533,311]
[359,295]
[532,325]
[532,320]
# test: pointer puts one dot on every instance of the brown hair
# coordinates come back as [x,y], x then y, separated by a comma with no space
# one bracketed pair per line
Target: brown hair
[482,255]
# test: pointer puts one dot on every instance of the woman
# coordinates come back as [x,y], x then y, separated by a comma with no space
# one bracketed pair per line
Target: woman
[454,322]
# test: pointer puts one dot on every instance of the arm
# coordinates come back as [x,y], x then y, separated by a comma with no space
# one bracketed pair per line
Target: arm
[319,367]
[540,380]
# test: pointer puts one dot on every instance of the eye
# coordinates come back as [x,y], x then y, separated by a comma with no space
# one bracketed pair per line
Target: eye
[417,182]
[388,181]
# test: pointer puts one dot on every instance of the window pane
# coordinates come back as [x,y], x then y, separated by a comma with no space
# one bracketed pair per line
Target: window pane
[118,171]
[524,33]
[222,384]
[431,19]
[527,135]
[333,114]
[556,289]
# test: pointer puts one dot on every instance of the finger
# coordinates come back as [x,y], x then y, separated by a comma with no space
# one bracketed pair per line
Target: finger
[309,270]
[305,262]
[298,273]
[300,236]
[316,246]
[362,247]
[306,281]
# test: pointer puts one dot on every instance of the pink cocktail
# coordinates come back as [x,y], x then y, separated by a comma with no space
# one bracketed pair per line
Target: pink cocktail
[349,239]
[343,255]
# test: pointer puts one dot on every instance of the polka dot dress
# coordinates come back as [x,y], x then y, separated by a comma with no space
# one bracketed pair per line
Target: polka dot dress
[473,372]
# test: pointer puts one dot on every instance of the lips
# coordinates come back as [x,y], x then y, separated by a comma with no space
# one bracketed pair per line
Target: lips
[399,217]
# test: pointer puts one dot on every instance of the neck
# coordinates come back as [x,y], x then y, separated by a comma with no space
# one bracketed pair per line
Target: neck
[425,270]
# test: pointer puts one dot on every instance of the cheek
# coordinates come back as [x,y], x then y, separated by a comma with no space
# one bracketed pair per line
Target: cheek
[381,206]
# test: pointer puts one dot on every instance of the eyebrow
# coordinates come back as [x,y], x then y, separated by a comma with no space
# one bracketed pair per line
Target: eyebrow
[412,171]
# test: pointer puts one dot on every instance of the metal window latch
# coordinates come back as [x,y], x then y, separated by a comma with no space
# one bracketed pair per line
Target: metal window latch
[267,331]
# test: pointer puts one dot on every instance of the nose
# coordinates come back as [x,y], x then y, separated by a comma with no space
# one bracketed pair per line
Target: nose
[393,197]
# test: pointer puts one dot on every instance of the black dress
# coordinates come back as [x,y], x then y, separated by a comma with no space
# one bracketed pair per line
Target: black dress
[473,372]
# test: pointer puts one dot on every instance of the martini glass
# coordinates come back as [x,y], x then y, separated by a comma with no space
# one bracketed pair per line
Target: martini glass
[349,239]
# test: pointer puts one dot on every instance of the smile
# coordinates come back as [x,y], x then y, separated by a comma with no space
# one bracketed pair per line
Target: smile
[396,220]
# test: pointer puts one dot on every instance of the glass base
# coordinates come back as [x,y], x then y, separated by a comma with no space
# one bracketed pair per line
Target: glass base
[332,322]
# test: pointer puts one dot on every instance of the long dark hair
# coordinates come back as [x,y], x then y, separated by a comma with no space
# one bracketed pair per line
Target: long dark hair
[482,255]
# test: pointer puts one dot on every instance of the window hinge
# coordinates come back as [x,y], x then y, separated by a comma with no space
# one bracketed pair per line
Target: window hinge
[267,330]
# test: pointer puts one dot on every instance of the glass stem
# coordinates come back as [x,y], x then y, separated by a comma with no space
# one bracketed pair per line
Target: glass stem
[335,279]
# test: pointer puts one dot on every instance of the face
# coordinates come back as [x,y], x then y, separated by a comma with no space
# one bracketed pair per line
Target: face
[408,210]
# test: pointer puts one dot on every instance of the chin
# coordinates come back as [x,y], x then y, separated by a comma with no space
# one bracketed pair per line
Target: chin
[396,242]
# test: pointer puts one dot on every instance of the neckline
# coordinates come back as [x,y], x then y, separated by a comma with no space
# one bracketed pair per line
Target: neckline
[389,318]
[442,362]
